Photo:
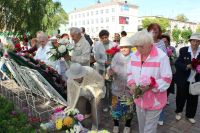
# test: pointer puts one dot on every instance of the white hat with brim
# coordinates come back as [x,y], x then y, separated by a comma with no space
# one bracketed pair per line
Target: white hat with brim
[76,71]
[125,42]
[195,36]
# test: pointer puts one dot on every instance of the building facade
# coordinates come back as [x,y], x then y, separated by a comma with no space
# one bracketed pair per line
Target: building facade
[114,16]
[173,23]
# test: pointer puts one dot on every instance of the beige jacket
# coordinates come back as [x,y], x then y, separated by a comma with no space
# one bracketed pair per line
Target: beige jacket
[81,52]
[91,87]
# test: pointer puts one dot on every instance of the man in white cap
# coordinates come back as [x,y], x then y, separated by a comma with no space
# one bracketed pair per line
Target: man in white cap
[185,72]
[84,83]
[81,51]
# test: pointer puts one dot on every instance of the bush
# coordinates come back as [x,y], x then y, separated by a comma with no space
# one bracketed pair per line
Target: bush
[11,121]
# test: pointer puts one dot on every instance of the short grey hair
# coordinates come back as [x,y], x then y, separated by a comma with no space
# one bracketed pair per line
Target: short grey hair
[41,34]
[75,30]
[142,38]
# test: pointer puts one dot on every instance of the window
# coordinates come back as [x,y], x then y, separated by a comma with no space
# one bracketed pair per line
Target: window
[75,23]
[83,22]
[101,28]
[101,20]
[88,14]
[91,13]
[123,20]
[88,30]
[97,12]
[113,18]
[79,22]
[113,9]
[122,28]
[107,10]
[101,11]
[71,16]
[92,21]
[88,22]
[107,19]
[97,20]
[83,15]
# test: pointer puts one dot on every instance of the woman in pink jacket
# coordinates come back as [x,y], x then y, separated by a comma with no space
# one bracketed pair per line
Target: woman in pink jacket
[146,64]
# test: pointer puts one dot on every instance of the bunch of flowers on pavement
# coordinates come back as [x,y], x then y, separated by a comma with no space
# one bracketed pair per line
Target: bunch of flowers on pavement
[68,120]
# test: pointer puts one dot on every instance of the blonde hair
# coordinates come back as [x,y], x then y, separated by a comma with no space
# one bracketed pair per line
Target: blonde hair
[142,38]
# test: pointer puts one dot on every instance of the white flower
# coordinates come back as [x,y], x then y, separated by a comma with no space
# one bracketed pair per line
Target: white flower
[64,41]
[77,128]
[53,51]
[62,49]
[71,111]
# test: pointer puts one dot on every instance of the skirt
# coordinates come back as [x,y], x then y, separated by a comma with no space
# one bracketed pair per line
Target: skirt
[123,108]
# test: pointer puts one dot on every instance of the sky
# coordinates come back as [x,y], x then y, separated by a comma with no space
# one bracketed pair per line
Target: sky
[166,8]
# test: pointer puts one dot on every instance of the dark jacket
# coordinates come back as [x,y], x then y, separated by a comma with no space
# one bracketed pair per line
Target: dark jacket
[87,37]
[182,73]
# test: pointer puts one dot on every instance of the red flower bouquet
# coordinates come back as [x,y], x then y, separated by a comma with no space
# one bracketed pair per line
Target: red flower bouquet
[112,51]
[195,63]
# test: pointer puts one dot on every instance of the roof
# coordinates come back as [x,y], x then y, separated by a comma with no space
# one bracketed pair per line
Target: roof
[99,5]
[167,18]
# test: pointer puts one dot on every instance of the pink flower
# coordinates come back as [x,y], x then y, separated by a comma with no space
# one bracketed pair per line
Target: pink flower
[144,80]
[79,117]
[198,69]
[58,110]
[169,51]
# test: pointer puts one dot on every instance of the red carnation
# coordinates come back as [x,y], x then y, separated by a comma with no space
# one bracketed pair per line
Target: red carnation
[195,63]
[153,82]
[112,51]
[18,47]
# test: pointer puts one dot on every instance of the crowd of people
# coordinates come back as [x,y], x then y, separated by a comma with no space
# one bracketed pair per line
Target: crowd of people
[93,74]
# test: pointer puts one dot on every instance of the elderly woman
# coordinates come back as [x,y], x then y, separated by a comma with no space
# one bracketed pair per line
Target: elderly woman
[183,76]
[122,102]
[155,29]
[84,83]
[148,62]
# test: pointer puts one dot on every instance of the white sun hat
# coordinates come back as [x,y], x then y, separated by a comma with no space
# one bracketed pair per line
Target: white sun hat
[76,71]
[125,42]
[195,36]
[53,38]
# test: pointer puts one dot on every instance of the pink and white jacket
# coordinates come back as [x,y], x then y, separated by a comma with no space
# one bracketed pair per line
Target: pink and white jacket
[156,65]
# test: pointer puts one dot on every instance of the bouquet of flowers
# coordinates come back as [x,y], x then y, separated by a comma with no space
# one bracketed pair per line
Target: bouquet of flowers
[59,51]
[111,52]
[170,54]
[145,83]
[65,119]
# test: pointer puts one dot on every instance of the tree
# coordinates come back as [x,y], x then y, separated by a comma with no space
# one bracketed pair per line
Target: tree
[198,28]
[182,17]
[31,15]
[176,35]
[163,22]
[185,34]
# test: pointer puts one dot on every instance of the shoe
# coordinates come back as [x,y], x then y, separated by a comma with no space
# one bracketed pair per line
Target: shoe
[178,116]
[127,130]
[160,123]
[191,120]
[105,110]
[94,127]
[115,129]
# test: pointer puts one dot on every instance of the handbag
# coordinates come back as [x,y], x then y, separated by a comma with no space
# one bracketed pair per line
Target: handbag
[194,87]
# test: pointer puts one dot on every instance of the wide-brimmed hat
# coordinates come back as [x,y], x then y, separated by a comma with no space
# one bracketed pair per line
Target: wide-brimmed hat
[125,42]
[53,38]
[195,36]
[76,71]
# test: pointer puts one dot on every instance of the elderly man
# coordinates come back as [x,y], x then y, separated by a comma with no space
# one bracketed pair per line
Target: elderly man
[81,51]
[84,83]
[44,48]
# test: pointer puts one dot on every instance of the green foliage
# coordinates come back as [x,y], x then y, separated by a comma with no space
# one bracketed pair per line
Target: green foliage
[11,122]
[182,17]
[163,22]
[185,34]
[176,35]
[21,16]
[198,28]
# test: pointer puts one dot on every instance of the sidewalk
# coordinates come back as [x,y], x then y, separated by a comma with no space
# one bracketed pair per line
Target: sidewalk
[170,124]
